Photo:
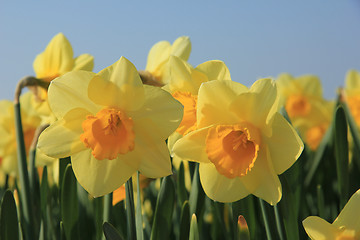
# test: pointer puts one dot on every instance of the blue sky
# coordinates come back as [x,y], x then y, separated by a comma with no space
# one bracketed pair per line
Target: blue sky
[254,38]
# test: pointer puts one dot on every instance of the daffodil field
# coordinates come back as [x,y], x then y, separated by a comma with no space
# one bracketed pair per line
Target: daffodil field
[176,152]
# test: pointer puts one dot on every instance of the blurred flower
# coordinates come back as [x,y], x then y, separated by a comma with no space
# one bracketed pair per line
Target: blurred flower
[352,90]
[112,125]
[8,145]
[297,94]
[184,84]
[157,61]
[346,225]
[309,112]
[239,141]
[56,60]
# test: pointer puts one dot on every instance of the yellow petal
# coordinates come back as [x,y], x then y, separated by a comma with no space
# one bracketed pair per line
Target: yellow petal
[42,159]
[62,138]
[214,100]
[262,180]
[352,83]
[160,112]
[181,48]
[118,86]
[56,60]
[180,72]
[319,229]
[158,54]
[220,188]
[255,105]
[349,216]
[101,177]
[311,85]
[283,134]
[70,91]
[192,146]
[173,138]
[84,62]
[215,70]
[155,160]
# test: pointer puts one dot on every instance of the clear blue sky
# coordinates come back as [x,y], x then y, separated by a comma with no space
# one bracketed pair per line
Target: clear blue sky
[254,38]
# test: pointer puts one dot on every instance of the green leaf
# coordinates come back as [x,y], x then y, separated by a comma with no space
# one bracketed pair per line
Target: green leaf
[185,221]
[138,213]
[9,228]
[25,193]
[44,200]
[194,231]
[110,232]
[354,130]
[69,204]
[288,209]
[130,213]
[197,195]
[341,155]
[181,189]
[161,228]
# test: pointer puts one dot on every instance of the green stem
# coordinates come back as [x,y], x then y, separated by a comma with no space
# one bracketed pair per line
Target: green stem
[130,212]
[265,217]
[23,175]
[279,226]
[107,208]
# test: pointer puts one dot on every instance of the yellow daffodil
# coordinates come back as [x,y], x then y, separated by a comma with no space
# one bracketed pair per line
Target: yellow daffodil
[111,125]
[56,60]
[352,90]
[241,142]
[345,227]
[8,146]
[313,127]
[184,85]
[157,61]
[298,94]
[309,112]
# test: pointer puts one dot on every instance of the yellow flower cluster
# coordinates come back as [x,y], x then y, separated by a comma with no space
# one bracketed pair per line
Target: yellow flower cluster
[120,120]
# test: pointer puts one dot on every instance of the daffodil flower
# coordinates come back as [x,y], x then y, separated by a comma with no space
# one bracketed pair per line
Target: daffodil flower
[8,146]
[241,142]
[111,125]
[159,54]
[184,85]
[56,60]
[345,227]
[352,90]
[309,112]
[297,94]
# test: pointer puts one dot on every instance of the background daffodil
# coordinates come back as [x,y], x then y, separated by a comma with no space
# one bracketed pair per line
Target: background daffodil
[8,146]
[111,125]
[345,227]
[184,85]
[159,54]
[298,94]
[352,90]
[239,141]
[56,60]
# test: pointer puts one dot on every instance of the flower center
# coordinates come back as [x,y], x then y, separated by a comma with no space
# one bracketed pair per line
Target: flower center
[297,105]
[189,102]
[354,105]
[108,133]
[314,136]
[233,149]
